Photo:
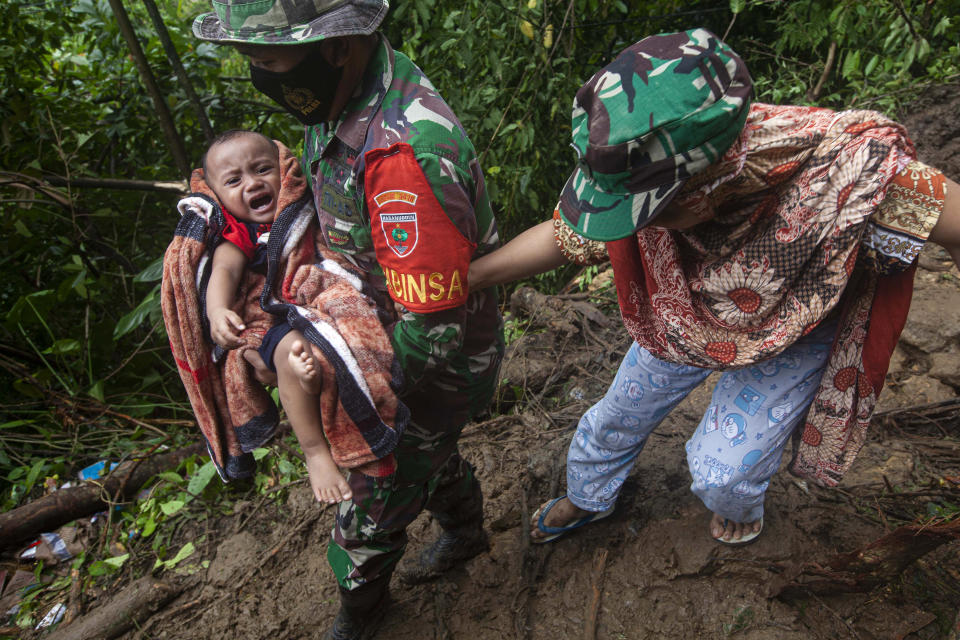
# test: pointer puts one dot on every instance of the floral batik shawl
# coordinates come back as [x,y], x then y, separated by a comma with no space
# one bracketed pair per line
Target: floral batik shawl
[785,213]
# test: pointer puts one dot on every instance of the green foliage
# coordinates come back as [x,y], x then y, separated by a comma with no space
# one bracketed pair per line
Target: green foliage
[885,51]
[510,70]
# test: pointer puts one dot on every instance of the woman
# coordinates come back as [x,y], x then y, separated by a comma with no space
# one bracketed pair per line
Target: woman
[775,243]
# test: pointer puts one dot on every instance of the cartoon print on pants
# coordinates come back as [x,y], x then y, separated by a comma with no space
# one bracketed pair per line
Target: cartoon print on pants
[779,413]
[710,420]
[658,380]
[769,368]
[752,458]
[718,473]
[633,390]
[749,400]
[734,429]
[744,488]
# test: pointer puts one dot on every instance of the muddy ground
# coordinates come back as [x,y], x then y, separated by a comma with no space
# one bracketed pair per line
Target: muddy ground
[651,570]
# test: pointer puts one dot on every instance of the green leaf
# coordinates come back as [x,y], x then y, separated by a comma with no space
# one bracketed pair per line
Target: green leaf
[15,423]
[911,56]
[82,137]
[148,527]
[871,65]
[941,26]
[96,391]
[259,454]
[171,507]
[152,272]
[132,320]
[61,347]
[171,476]
[185,552]
[116,561]
[736,6]
[22,229]
[35,470]
[200,479]
[851,64]
[108,565]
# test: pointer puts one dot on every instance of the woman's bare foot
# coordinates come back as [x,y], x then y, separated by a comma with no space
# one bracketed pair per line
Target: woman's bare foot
[327,482]
[303,365]
[725,529]
[560,515]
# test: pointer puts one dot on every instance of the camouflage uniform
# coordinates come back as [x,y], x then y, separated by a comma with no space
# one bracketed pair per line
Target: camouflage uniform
[450,356]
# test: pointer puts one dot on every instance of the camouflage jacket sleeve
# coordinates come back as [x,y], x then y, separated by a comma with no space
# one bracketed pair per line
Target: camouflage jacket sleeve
[425,263]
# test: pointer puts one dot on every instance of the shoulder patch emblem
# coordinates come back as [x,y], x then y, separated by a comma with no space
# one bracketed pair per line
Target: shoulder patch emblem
[400,230]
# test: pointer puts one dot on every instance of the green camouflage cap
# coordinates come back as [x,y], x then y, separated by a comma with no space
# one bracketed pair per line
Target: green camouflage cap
[666,108]
[288,21]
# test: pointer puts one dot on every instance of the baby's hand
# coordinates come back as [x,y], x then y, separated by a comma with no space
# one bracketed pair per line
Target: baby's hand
[225,327]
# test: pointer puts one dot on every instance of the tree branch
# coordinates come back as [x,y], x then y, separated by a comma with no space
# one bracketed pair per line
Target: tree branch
[159,103]
[166,186]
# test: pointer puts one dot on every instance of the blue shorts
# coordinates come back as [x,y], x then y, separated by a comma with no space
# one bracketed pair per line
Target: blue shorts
[271,339]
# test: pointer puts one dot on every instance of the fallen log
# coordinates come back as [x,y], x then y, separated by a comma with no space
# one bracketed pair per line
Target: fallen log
[130,607]
[60,507]
[880,562]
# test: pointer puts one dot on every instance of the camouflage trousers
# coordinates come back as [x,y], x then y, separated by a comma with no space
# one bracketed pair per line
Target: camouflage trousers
[369,535]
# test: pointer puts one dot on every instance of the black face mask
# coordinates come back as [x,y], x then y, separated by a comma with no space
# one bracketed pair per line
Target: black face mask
[305,91]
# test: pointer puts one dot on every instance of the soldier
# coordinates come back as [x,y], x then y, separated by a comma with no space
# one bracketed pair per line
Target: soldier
[399,190]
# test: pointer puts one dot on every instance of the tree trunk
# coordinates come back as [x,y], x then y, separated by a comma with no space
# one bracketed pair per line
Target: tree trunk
[178,69]
[878,563]
[60,507]
[134,604]
[159,104]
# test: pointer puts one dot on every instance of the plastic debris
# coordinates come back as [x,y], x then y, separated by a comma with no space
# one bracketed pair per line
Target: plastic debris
[53,616]
[96,470]
[56,545]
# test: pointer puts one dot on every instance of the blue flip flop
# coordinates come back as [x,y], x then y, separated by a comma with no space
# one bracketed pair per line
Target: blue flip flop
[555,532]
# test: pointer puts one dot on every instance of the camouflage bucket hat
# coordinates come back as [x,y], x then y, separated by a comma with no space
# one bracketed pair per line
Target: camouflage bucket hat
[666,108]
[284,22]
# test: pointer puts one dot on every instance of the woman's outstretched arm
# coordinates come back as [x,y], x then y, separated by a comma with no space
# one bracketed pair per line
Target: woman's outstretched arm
[533,251]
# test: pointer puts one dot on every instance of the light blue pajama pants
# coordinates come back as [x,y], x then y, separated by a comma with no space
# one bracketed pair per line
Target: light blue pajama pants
[735,449]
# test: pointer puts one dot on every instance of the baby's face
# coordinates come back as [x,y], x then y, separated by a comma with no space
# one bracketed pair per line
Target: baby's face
[244,172]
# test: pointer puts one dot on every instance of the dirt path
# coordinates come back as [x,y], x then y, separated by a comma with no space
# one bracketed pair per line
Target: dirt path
[662,576]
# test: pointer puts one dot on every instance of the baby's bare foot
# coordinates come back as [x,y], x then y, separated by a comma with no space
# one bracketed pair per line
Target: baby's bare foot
[305,367]
[327,482]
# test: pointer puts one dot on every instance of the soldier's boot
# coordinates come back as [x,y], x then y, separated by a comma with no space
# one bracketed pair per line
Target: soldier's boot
[361,611]
[461,537]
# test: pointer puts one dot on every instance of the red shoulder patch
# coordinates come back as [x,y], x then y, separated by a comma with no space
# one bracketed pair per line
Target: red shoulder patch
[423,254]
